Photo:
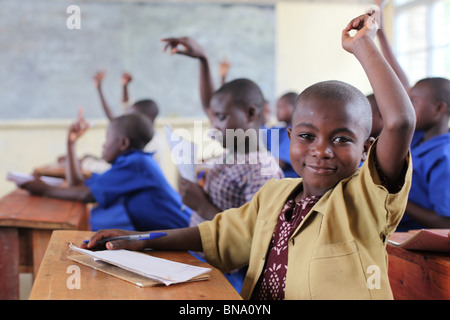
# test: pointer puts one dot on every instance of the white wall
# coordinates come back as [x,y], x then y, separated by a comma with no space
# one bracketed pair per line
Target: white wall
[308,45]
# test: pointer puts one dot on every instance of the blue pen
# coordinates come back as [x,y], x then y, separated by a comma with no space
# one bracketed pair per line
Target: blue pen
[144,236]
[200,175]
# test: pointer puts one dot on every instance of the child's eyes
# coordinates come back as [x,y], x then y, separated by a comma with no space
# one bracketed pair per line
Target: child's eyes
[306,136]
[311,137]
[342,139]
[221,116]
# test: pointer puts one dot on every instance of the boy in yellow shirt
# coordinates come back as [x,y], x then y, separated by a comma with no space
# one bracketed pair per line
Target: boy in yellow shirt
[333,223]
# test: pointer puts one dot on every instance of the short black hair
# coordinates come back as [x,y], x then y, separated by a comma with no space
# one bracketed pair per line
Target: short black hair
[290,96]
[244,93]
[440,89]
[147,107]
[136,127]
[341,91]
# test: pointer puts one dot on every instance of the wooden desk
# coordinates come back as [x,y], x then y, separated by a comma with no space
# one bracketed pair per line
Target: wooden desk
[51,281]
[418,275]
[26,224]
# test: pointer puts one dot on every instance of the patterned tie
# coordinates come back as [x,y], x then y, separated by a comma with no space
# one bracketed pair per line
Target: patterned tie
[271,285]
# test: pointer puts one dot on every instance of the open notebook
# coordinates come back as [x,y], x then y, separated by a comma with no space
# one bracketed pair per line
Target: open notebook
[437,240]
[139,268]
[20,178]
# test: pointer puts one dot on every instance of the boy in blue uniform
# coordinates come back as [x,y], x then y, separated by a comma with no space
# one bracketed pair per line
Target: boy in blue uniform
[133,194]
[429,198]
[285,107]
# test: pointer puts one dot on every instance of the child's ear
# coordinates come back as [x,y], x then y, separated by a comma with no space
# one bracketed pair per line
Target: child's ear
[442,108]
[289,131]
[124,143]
[366,148]
[251,113]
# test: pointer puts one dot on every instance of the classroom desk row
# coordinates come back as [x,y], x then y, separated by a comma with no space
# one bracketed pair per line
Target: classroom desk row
[28,243]
[26,225]
[34,237]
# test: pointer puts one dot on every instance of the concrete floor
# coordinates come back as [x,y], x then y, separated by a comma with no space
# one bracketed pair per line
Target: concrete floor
[26,282]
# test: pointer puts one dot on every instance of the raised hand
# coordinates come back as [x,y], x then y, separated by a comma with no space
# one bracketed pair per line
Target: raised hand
[98,78]
[78,128]
[366,28]
[126,78]
[184,45]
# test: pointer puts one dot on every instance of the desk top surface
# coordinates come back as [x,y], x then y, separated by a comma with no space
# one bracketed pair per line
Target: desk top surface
[51,280]
[20,209]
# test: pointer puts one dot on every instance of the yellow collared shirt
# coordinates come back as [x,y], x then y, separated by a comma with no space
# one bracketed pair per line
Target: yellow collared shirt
[337,252]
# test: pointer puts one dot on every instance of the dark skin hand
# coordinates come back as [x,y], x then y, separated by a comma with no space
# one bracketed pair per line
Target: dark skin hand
[176,239]
[195,198]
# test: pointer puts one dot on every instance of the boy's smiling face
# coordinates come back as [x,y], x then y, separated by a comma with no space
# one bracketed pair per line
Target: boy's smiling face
[328,141]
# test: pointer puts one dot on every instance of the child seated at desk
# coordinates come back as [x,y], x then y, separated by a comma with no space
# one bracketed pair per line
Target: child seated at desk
[322,236]
[235,109]
[133,194]
[147,107]
[429,198]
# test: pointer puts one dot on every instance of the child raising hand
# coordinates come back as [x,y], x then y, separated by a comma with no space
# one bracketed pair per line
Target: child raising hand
[323,235]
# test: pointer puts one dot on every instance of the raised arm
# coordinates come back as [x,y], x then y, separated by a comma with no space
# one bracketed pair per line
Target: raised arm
[393,101]
[224,66]
[388,53]
[74,175]
[126,79]
[189,47]
[98,79]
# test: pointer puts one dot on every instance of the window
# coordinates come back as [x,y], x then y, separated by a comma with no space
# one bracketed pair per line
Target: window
[422,41]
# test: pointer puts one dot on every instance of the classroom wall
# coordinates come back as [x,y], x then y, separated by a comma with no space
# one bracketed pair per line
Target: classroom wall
[307,50]
[31,144]
[308,44]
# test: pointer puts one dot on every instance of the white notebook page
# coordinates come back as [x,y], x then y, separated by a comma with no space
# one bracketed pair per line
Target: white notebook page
[165,271]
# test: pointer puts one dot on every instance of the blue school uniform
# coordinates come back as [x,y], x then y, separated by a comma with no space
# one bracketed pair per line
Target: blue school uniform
[283,149]
[430,186]
[134,195]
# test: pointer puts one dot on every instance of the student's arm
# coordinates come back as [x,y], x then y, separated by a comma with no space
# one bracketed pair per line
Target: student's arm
[98,78]
[176,239]
[224,66]
[389,54]
[192,49]
[40,188]
[126,79]
[426,217]
[393,101]
[74,174]
[195,198]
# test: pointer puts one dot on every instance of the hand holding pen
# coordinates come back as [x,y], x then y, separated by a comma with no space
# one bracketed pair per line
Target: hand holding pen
[109,237]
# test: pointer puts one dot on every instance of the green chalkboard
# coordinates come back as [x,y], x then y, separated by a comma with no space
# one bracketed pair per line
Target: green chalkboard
[46,69]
